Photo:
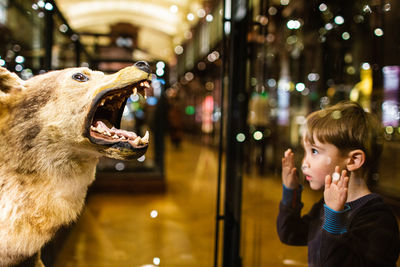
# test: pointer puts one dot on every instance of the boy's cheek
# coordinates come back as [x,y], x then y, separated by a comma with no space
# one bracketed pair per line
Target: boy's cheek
[328,160]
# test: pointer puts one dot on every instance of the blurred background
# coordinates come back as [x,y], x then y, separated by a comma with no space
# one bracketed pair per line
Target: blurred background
[233,81]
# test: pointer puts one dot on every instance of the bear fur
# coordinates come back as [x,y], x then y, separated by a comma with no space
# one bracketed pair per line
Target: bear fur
[47,160]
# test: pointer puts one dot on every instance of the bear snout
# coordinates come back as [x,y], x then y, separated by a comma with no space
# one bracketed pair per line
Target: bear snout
[142,65]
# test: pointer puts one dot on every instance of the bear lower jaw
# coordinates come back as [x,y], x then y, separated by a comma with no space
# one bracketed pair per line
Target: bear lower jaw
[100,131]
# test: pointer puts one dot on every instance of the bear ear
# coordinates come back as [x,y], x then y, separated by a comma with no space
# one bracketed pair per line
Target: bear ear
[9,82]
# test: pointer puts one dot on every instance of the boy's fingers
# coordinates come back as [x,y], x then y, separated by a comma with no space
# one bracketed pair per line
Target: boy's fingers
[337,169]
[346,182]
[340,182]
[328,181]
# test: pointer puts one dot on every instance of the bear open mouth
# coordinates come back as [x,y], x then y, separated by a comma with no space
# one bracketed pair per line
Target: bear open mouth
[104,119]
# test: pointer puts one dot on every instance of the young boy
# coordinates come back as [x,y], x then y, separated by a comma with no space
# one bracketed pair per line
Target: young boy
[349,226]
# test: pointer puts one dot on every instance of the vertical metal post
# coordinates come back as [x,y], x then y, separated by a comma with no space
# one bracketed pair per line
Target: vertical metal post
[77,53]
[236,123]
[48,39]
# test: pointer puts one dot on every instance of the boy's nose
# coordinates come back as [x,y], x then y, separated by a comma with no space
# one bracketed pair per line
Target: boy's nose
[305,165]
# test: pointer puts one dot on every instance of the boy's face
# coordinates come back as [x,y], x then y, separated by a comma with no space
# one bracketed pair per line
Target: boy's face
[320,160]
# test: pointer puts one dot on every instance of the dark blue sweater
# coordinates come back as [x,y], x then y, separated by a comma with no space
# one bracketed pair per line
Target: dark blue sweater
[365,234]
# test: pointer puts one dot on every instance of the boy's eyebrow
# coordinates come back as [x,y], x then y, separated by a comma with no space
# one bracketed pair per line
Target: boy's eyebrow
[317,146]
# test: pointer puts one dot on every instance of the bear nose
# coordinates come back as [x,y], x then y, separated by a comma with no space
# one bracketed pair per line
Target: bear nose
[142,65]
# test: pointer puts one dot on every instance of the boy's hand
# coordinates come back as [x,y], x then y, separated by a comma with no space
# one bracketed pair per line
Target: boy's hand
[289,175]
[335,193]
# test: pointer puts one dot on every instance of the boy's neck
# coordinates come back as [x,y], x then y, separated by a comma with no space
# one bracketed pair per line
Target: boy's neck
[357,187]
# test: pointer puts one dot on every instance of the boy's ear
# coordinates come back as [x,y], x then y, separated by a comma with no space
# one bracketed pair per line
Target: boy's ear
[356,159]
[9,83]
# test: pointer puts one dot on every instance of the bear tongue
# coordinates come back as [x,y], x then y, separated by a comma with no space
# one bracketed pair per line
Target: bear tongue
[102,127]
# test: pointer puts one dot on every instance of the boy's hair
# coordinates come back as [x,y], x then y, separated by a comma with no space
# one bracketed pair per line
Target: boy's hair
[347,126]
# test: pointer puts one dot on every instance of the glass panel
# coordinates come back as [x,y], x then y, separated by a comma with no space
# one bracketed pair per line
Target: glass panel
[21,37]
[305,55]
[64,50]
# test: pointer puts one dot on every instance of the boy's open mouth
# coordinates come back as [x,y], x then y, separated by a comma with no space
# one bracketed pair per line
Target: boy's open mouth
[104,119]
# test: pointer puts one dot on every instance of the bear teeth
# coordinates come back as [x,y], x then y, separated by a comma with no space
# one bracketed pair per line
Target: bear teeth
[123,135]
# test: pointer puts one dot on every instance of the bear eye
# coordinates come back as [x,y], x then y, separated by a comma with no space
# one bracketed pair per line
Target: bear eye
[80,77]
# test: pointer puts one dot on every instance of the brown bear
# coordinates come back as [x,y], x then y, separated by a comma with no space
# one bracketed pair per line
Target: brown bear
[54,127]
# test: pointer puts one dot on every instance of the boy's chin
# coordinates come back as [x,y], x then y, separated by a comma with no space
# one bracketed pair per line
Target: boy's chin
[316,186]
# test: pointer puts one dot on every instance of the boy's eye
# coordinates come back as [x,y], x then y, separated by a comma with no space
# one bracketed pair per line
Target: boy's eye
[314,151]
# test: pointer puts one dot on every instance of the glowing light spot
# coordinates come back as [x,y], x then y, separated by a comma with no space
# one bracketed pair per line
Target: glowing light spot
[257,135]
[209,86]
[75,37]
[213,56]
[367,9]
[345,36]
[227,27]
[19,67]
[156,261]
[201,13]
[48,6]
[339,20]
[19,59]
[272,11]
[293,24]
[336,114]
[190,17]
[253,81]
[271,82]
[41,3]
[331,91]
[387,7]
[389,129]
[313,77]
[365,66]
[63,28]
[323,7]
[153,214]
[189,110]
[209,18]
[178,49]
[189,76]
[285,2]
[2,62]
[160,72]
[335,176]
[378,32]
[240,137]
[306,92]
[152,101]
[351,70]
[120,166]
[173,9]
[135,98]
[160,65]
[142,158]
[328,26]
[188,35]
[348,58]
[300,87]
[292,40]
